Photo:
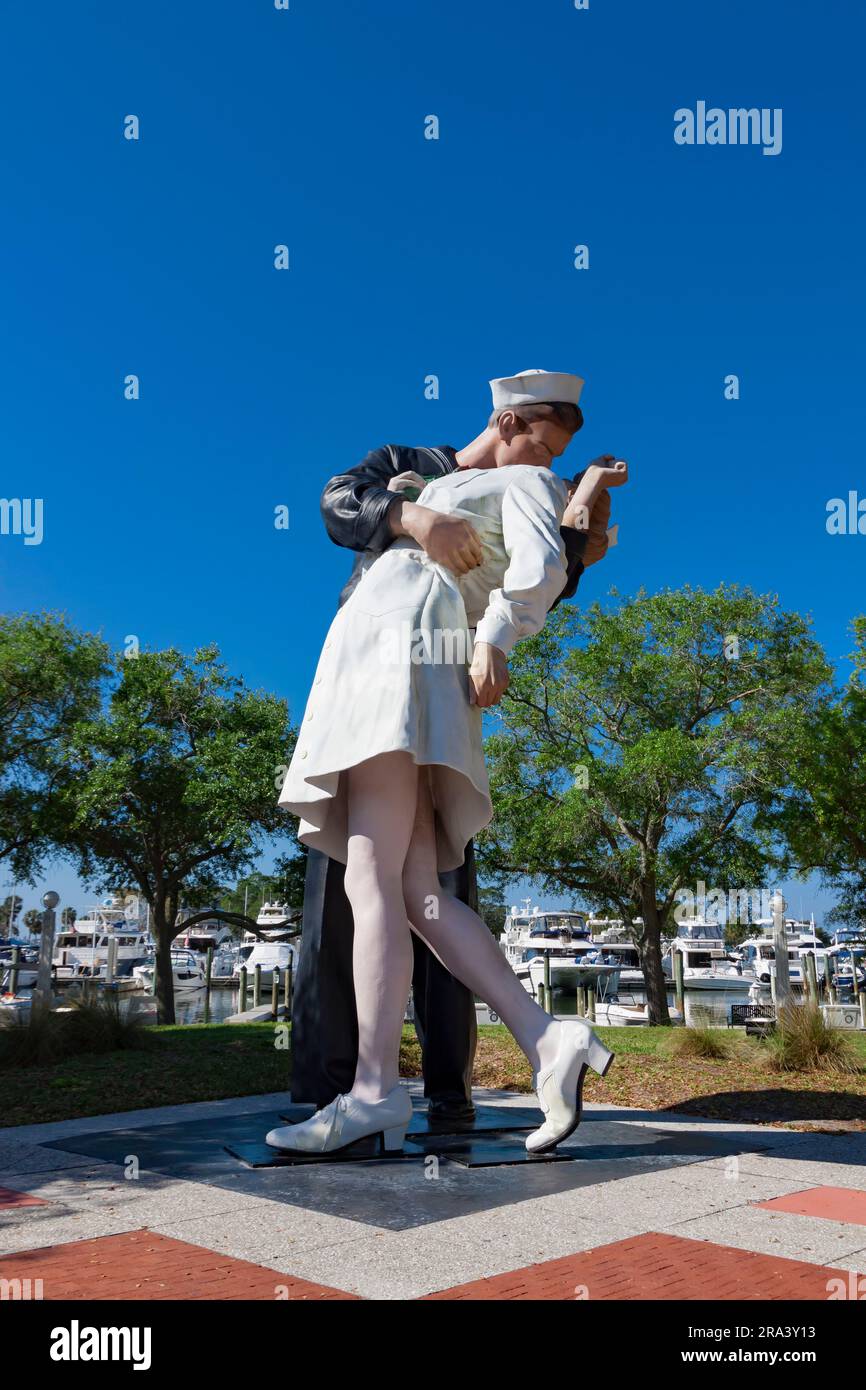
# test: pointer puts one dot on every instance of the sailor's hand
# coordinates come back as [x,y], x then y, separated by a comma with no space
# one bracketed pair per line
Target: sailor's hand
[488,675]
[448,540]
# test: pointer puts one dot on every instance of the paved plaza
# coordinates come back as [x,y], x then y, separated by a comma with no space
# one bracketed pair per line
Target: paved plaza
[173,1203]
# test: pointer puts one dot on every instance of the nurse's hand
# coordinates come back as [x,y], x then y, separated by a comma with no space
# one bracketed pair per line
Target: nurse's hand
[448,540]
[488,675]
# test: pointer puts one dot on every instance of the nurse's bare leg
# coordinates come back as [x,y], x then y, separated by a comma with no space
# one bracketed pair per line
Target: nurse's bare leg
[382,796]
[465,944]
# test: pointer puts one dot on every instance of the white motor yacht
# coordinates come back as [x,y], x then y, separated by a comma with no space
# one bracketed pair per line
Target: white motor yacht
[81,950]
[706,962]
[758,953]
[561,937]
[848,953]
[28,960]
[275,919]
[187,970]
[618,948]
[203,935]
[270,955]
[621,1014]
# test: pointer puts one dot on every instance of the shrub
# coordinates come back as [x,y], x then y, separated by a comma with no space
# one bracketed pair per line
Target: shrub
[92,1026]
[803,1041]
[700,1041]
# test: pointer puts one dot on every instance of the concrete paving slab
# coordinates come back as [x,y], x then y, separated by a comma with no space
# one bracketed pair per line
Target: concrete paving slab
[407,1264]
[662,1198]
[105,1187]
[771,1233]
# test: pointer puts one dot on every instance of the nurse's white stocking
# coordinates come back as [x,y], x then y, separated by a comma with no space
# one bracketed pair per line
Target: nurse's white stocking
[381,796]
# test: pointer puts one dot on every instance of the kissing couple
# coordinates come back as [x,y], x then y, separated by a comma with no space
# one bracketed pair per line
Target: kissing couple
[388,775]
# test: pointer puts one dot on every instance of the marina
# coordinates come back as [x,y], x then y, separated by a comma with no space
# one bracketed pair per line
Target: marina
[571,962]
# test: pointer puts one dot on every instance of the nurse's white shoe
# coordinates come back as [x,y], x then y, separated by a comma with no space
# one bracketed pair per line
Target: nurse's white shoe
[559,1088]
[345,1121]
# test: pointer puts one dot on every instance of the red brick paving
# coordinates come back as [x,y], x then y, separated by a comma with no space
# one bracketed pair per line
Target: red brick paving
[655,1266]
[142,1265]
[10,1198]
[833,1203]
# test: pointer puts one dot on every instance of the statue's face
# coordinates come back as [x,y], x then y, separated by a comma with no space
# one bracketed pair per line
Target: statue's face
[535,442]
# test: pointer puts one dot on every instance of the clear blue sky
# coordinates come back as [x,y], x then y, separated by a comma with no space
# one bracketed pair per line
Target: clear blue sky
[411,257]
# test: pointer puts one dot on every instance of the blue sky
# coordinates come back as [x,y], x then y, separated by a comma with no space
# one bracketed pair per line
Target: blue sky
[410,257]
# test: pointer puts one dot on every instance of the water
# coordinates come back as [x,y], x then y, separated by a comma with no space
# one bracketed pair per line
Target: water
[188,1007]
[709,1007]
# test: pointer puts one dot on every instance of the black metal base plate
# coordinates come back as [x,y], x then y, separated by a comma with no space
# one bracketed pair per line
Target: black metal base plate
[261,1155]
[488,1150]
[485,1150]
[487,1118]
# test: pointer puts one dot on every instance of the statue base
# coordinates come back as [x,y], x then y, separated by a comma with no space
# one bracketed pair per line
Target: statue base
[494,1138]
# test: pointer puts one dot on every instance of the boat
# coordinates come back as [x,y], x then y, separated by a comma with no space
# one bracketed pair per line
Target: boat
[28,962]
[225,958]
[276,921]
[270,955]
[187,970]
[532,937]
[203,936]
[618,948]
[81,950]
[619,1014]
[757,954]
[848,953]
[706,962]
[15,1006]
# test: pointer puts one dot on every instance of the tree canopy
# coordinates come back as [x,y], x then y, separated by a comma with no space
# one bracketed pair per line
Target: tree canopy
[50,679]
[173,787]
[823,820]
[637,746]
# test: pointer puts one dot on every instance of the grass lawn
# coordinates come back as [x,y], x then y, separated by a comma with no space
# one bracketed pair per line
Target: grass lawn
[743,1087]
[216,1061]
[178,1064]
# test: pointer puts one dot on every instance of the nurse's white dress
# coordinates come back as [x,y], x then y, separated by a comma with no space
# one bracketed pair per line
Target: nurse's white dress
[393,673]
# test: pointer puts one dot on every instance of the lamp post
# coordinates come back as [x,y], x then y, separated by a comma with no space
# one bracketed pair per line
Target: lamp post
[42,992]
[780,951]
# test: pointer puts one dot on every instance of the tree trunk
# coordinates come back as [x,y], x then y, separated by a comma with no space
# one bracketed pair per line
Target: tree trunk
[163,927]
[651,960]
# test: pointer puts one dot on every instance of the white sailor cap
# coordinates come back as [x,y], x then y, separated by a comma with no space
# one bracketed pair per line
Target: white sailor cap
[535,387]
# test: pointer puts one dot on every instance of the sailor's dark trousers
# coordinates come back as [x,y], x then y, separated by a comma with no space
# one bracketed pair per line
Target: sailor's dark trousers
[324,1018]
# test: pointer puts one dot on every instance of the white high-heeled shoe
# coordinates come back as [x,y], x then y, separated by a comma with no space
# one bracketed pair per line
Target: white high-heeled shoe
[559,1088]
[345,1121]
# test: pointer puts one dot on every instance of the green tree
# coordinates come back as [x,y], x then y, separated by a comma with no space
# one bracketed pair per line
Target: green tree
[492,909]
[824,818]
[637,746]
[737,932]
[290,871]
[174,787]
[33,920]
[10,910]
[285,883]
[51,677]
